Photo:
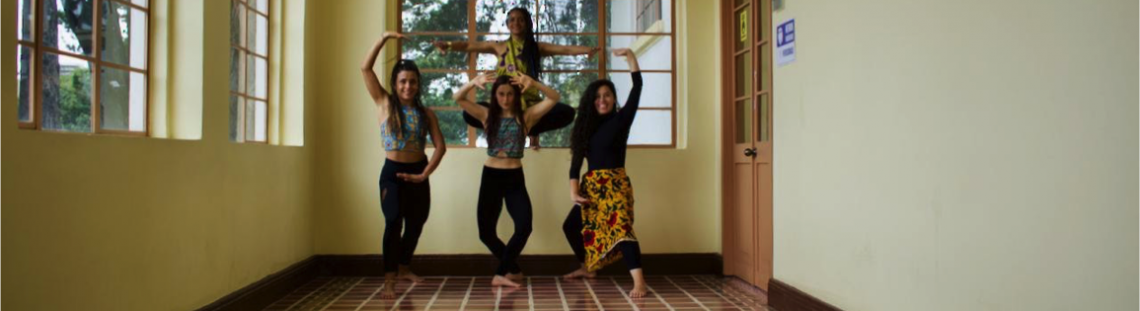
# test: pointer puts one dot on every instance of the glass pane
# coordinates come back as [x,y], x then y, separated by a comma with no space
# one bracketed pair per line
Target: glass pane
[743,121]
[237,16]
[764,118]
[568,16]
[452,126]
[122,99]
[570,62]
[124,35]
[261,42]
[251,30]
[236,103]
[259,120]
[656,90]
[765,72]
[652,127]
[237,62]
[249,114]
[24,98]
[740,35]
[638,16]
[437,88]
[764,22]
[263,6]
[559,138]
[250,75]
[142,3]
[68,26]
[569,85]
[421,50]
[441,16]
[488,61]
[26,15]
[66,93]
[743,72]
[262,76]
[491,15]
[654,52]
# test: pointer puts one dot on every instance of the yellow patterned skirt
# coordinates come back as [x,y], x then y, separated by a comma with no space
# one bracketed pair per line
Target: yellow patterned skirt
[608,219]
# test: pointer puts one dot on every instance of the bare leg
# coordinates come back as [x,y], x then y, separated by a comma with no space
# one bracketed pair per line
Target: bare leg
[638,284]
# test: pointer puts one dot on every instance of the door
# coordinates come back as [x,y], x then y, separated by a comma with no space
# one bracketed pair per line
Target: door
[747,219]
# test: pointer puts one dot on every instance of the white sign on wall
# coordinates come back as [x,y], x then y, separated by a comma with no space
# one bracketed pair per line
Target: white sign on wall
[786,43]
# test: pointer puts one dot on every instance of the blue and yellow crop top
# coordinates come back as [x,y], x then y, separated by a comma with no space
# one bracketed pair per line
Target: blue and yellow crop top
[508,141]
[412,137]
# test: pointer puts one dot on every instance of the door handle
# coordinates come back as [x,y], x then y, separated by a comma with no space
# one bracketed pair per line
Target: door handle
[750,152]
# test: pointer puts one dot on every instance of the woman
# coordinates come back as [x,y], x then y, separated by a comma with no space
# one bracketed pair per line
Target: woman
[600,225]
[521,54]
[507,126]
[405,193]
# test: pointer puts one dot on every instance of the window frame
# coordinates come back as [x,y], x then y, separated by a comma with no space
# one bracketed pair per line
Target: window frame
[96,62]
[472,34]
[250,6]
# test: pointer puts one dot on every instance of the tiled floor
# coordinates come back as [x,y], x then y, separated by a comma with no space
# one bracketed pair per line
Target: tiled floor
[541,293]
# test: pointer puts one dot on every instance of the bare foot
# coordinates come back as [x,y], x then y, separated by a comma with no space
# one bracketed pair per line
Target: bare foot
[580,273]
[516,277]
[406,273]
[500,280]
[389,291]
[638,291]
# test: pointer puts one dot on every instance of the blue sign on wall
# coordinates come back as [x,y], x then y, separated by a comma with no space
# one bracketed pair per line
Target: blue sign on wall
[786,42]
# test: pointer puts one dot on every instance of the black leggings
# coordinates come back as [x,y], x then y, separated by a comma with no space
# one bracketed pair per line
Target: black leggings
[497,185]
[572,228]
[560,116]
[405,206]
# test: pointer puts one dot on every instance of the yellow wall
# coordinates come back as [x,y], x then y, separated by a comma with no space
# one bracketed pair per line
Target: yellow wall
[116,223]
[677,190]
[950,155]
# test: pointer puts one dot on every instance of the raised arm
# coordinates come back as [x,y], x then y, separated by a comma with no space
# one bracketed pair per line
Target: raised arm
[379,94]
[629,110]
[547,49]
[476,110]
[534,113]
[464,46]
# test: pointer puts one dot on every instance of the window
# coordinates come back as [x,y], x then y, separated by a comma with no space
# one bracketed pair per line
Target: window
[81,65]
[565,22]
[249,70]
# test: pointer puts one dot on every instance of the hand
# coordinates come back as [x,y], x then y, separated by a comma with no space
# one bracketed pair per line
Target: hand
[412,178]
[594,51]
[481,81]
[623,52]
[579,199]
[523,81]
[393,34]
[441,46]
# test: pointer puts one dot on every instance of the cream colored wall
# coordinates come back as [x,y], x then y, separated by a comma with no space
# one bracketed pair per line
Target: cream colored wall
[677,190]
[117,223]
[951,155]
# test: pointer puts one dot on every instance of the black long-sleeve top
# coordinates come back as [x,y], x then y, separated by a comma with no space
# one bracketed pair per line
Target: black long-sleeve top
[607,145]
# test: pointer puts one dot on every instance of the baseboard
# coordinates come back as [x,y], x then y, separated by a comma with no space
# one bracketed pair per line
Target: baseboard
[782,296]
[262,293]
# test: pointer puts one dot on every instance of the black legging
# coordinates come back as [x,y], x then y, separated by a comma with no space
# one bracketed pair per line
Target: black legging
[572,228]
[405,206]
[558,117]
[497,185]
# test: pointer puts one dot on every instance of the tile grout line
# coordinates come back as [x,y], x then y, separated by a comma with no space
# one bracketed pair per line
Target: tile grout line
[498,297]
[558,283]
[706,285]
[466,297]
[623,294]
[662,299]
[529,294]
[307,295]
[433,297]
[687,293]
[371,296]
[592,294]
[342,294]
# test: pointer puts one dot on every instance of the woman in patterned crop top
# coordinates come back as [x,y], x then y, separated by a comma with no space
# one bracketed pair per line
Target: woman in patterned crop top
[405,193]
[507,125]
